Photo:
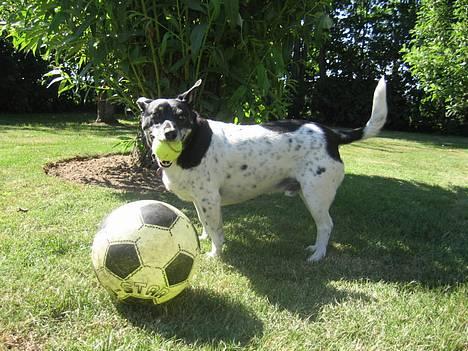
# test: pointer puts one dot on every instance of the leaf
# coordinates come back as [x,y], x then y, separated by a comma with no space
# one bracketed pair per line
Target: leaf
[231,8]
[325,22]
[163,46]
[195,5]
[215,7]
[238,95]
[64,86]
[262,79]
[55,80]
[196,38]
[53,72]
[57,20]
[240,21]
[178,64]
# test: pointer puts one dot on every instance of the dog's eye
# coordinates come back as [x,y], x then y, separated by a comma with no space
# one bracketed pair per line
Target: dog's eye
[156,118]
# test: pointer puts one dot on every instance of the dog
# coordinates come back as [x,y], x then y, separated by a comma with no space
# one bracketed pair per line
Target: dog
[223,163]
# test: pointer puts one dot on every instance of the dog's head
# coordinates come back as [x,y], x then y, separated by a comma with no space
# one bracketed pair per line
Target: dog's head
[168,119]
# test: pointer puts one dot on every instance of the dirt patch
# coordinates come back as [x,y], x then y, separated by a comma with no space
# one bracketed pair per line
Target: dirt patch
[17,342]
[113,171]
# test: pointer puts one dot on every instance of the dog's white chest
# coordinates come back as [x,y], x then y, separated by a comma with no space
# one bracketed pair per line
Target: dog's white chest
[177,182]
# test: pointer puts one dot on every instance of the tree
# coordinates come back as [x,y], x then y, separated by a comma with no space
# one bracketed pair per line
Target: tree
[241,49]
[22,89]
[438,55]
[364,44]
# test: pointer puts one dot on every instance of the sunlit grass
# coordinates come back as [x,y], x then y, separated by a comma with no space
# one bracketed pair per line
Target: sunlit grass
[394,278]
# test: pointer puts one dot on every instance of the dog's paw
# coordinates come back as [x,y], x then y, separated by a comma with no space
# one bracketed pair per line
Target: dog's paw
[317,255]
[311,248]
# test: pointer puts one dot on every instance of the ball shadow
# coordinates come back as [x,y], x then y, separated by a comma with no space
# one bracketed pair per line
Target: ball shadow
[196,316]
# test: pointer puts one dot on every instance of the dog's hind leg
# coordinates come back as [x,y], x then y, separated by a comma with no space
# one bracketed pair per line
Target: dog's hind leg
[209,213]
[318,193]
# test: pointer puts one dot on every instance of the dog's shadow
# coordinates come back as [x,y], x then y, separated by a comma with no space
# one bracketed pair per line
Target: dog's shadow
[196,316]
[386,230]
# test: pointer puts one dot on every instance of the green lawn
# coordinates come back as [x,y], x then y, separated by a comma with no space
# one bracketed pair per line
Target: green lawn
[395,277]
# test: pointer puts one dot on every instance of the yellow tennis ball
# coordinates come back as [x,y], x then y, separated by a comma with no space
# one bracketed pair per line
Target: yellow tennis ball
[167,150]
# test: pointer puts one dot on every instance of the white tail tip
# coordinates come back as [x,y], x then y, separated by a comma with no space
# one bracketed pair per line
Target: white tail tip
[379,111]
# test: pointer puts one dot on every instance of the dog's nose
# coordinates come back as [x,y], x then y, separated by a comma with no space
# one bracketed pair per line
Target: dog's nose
[170,135]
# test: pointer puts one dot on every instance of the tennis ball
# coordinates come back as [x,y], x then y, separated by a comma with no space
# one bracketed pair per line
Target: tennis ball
[167,150]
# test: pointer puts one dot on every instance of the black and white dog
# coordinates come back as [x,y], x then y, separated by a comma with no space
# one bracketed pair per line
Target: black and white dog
[224,163]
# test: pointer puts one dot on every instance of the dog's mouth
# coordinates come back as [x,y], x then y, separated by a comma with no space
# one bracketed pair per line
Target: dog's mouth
[165,164]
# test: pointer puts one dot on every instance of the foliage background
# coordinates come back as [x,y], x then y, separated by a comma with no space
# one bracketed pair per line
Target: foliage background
[22,88]
[156,48]
[438,57]
[259,60]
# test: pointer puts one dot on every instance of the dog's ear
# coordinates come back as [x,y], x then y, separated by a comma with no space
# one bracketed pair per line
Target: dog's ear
[189,94]
[143,103]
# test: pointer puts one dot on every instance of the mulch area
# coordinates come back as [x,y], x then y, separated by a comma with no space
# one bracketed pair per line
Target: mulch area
[115,171]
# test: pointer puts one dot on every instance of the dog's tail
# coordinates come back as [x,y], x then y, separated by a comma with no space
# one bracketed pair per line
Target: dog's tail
[376,121]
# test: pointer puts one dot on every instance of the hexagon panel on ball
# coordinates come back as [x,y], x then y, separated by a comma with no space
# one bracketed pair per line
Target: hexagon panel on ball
[158,214]
[179,269]
[122,259]
[156,246]
[123,223]
[185,235]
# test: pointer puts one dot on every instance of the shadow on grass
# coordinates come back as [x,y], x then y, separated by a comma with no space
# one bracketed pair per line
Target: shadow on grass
[61,124]
[432,140]
[197,316]
[386,230]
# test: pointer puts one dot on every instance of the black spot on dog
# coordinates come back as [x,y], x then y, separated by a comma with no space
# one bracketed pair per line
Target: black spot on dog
[285,125]
[289,184]
[243,167]
[196,144]
[332,143]
[298,147]
[204,209]
[320,170]
[335,138]
[228,176]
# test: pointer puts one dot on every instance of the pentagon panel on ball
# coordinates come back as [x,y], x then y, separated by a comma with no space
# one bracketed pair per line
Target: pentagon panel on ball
[145,251]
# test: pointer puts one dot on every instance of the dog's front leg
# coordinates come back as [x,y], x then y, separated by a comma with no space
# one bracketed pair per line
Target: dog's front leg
[209,213]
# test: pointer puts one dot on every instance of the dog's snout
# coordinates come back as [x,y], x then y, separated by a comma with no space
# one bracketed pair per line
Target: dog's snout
[170,134]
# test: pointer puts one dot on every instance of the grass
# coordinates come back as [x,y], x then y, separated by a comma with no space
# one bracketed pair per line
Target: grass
[394,278]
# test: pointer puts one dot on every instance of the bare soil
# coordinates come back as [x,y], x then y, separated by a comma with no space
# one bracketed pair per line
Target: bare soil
[115,171]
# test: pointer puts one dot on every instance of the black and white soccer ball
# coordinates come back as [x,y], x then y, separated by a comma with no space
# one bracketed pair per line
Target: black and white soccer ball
[145,251]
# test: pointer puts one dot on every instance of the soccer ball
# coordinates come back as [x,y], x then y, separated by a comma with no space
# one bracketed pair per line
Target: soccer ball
[145,251]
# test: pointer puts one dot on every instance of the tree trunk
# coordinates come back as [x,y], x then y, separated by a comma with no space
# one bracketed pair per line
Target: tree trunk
[142,153]
[105,110]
